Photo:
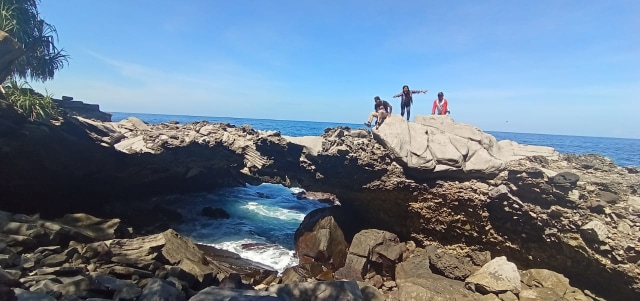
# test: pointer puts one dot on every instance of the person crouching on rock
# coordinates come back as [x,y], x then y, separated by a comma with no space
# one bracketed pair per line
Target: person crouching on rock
[386,108]
[407,99]
[440,105]
[382,115]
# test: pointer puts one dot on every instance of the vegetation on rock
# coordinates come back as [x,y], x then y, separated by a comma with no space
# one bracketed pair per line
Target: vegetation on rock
[30,103]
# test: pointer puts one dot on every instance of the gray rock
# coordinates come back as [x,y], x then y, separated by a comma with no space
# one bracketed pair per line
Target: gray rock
[499,191]
[71,285]
[414,267]
[370,293]
[594,231]
[355,268]
[319,291]
[364,241]
[158,290]
[96,229]
[574,294]
[497,276]
[508,296]
[32,296]
[451,266]
[127,271]
[224,294]
[540,293]
[359,134]
[546,278]
[566,178]
[61,271]
[434,287]
[54,260]
[608,197]
[480,258]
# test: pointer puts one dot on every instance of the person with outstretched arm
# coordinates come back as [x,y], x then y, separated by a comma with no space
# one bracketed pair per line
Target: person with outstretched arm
[407,99]
[440,105]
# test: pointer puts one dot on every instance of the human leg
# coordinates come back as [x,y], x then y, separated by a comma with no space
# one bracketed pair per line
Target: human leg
[402,109]
[382,115]
[371,116]
[408,112]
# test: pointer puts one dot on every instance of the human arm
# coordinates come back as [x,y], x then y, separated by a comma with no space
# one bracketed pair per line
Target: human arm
[397,95]
[390,109]
[444,107]
[433,109]
[419,91]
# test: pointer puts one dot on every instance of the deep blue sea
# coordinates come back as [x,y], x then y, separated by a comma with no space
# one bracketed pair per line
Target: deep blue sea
[264,217]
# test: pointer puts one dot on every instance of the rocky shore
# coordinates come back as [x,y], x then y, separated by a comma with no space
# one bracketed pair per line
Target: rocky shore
[430,210]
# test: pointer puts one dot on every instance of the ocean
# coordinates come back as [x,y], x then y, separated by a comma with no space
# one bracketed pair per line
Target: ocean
[264,217]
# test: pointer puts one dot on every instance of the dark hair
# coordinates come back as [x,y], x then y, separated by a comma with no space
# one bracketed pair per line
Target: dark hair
[376,98]
[405,86]
[440,94]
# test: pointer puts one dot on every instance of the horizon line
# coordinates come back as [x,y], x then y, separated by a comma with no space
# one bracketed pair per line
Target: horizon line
[314,121]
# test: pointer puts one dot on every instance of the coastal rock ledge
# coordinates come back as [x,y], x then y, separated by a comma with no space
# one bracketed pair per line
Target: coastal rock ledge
[432,182]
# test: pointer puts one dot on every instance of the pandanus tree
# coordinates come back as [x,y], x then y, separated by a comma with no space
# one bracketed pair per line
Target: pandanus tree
[41,58]
[38,59]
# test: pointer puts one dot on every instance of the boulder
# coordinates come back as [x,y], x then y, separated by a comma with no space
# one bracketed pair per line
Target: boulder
[96,229]
[594,231]
[416,266]
[451,266]
[225,294]
[319,238]
[547,279]
[319,291]
[497,276]
[375,249]
[433,287]
[540,293]
[435,145]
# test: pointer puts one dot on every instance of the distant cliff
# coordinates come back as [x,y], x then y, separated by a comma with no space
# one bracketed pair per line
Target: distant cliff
[79,108]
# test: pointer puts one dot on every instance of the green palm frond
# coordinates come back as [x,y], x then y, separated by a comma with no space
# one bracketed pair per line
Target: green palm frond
[42,59]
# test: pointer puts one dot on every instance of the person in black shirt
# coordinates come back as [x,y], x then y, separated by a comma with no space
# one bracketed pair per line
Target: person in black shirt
[381,109]
[407,99]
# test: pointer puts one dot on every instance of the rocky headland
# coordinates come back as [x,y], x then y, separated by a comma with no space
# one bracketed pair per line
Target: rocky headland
[429,210]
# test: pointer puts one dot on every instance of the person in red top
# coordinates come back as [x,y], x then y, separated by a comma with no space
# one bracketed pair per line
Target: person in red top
[440,105]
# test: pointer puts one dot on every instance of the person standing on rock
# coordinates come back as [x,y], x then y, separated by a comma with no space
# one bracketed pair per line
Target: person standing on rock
[440,105]
[407,99]
[381,107]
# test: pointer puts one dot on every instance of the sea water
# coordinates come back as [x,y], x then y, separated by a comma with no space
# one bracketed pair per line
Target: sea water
[263,218]
[261,223]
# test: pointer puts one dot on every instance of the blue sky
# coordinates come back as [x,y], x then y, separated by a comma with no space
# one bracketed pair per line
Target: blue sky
[550,66]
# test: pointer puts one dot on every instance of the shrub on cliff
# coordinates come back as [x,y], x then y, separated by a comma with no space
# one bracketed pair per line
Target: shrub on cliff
[30,103]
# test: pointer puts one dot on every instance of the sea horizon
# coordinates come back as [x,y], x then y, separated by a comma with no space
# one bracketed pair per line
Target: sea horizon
[357,124]
[623,151]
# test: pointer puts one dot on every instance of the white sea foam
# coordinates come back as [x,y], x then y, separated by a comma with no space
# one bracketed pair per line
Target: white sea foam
[280,213]
[272,255]
[296,190]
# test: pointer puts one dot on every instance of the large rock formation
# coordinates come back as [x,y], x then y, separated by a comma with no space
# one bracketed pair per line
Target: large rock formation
[433,181]
[436,146]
